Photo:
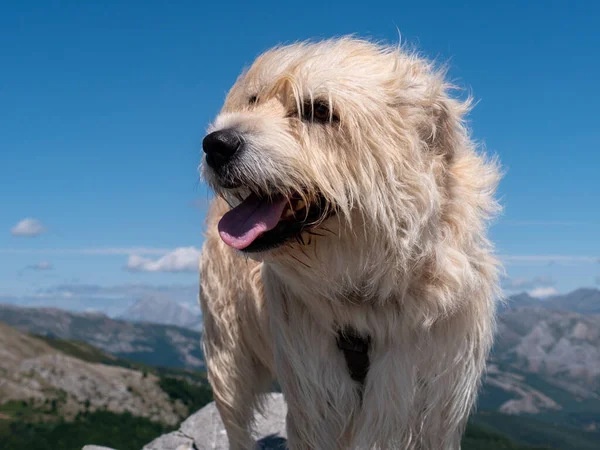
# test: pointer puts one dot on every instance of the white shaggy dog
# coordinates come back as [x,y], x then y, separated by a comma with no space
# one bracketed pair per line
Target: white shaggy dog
[346,252]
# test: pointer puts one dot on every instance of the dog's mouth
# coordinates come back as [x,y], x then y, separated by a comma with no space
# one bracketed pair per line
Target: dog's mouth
[262,223]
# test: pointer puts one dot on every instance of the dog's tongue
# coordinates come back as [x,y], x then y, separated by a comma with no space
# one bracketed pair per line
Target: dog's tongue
[243,224]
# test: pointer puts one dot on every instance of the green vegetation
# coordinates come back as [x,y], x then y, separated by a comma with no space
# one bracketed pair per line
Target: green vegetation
[531,431]
[27,425]
[25,410]
[194,396]
[481,438]
[122,431]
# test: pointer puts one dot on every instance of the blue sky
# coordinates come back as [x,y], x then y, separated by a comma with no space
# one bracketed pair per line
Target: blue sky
[103,106]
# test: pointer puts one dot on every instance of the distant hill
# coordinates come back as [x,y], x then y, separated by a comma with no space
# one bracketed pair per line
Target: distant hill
[58,394]
[153,344]
[582,301]
[560,345]
[52,381]
[163,311]
[545,366]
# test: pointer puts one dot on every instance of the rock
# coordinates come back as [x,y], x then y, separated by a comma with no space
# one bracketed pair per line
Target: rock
[204,430]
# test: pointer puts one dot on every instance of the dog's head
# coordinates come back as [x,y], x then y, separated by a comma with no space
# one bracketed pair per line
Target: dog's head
[356,143]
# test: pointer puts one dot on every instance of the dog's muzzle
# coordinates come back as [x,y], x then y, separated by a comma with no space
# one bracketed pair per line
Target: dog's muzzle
[220,147]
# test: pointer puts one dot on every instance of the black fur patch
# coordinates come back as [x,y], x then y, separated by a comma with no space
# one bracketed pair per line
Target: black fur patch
[356,352]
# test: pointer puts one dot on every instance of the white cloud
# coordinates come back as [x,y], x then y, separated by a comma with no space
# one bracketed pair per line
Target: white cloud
[543,292]
[28,228]
[183,259]
[43,265]
[522,283]
[538,287]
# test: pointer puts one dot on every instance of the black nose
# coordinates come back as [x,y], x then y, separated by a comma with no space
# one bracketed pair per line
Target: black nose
[220,146]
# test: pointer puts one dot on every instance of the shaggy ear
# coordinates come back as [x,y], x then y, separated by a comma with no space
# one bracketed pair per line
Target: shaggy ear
[446,132]
[437,117]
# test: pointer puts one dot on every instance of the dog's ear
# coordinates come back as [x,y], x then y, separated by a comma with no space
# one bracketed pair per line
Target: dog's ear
[425,102]
[445,131]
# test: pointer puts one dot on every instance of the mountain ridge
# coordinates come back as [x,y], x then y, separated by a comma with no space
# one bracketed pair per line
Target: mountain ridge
[153,344]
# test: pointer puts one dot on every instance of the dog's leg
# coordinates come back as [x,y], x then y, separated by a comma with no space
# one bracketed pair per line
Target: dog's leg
[237,375]
[237,397]
[236,339]
[321,395]
[422,384]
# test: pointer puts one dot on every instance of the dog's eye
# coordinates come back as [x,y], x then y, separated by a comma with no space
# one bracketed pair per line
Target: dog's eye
[319,112]
[252,100]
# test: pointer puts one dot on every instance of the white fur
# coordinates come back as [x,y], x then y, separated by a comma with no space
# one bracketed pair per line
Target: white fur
[405,258]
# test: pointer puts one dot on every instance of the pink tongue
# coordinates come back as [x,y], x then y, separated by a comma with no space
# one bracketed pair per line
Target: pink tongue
[243,224]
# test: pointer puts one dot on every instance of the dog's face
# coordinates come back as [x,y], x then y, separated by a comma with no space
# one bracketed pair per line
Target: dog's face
[340,135]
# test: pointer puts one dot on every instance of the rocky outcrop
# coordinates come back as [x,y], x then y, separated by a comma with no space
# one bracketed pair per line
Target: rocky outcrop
[204,430]
[561,346]
[31,370]
[523,398]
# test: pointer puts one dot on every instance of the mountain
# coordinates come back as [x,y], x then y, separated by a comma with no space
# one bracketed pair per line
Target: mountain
[582,301]
[58,394]
[560,345]
[545,364]
[163,311]
[49,380]
[153,344]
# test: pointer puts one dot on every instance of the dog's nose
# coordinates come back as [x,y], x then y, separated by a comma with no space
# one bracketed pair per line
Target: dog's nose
[220,146]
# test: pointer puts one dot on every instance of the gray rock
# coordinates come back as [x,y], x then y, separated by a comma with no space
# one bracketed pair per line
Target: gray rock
[204,430]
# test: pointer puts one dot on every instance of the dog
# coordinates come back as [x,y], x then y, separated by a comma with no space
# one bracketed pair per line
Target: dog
[346,253]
